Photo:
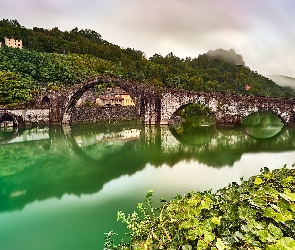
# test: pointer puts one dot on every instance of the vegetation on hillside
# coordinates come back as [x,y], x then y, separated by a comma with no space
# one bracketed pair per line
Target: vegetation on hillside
[257,214]
[15,89]
[56,59]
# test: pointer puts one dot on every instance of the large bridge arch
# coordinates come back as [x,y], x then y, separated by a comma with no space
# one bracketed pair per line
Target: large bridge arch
[139,93]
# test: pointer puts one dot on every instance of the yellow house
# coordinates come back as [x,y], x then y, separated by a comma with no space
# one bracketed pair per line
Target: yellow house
[115,97]
[13,43]
[126,100]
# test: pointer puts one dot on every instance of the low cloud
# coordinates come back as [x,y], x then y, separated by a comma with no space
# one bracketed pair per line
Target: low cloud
[229,56]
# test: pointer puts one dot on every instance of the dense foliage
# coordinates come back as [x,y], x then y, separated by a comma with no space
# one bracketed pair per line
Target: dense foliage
[257,214]
[15,89]
[56,59]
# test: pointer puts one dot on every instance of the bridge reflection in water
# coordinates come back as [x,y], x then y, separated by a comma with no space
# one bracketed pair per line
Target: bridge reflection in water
[65,184]
[81,159]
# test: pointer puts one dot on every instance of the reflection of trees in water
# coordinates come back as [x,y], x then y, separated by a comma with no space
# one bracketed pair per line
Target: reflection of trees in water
[263,118]
[262,132]
[190,135]
[51,168]
[8,134]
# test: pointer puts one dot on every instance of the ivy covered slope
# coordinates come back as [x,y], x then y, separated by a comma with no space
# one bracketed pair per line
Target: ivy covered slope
[54,58]
[257,214]
[37,69]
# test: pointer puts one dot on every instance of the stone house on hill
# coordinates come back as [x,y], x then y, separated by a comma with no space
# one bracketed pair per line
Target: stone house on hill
[13,43]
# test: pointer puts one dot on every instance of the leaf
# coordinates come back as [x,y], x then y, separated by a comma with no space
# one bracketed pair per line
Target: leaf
[220,245]
[185,225]
[216,220]
[269,212]
[263,235]
[201,245]
[258,181]
[186,247]
[288,196]
[150,192]
[209,237]
[275,231]
[288,179]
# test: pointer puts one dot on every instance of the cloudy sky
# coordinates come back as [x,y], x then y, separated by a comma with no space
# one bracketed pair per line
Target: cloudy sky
[262,31]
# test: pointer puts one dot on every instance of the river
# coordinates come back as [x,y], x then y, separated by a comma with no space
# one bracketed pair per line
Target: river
[60,187]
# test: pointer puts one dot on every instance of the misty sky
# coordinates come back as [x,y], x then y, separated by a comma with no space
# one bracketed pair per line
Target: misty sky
[262,31]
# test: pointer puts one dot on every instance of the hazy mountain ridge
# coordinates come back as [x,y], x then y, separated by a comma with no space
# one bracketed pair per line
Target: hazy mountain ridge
[284,81]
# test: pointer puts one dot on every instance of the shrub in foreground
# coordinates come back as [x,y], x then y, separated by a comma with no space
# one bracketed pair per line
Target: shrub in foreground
[257,214]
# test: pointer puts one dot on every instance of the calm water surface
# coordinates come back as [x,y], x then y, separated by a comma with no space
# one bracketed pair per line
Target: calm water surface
[60,187]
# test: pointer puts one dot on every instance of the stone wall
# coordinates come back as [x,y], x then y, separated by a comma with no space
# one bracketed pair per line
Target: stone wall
[103,114]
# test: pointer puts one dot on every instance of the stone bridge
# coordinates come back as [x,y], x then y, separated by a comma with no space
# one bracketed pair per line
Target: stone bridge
[157,105]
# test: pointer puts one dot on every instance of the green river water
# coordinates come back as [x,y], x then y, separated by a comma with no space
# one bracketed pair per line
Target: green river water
[60,187]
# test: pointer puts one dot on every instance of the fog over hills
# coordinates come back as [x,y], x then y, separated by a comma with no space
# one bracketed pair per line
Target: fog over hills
[229,56]
[281,80]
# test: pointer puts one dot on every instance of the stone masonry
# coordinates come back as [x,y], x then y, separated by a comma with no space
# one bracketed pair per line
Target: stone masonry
[103,114]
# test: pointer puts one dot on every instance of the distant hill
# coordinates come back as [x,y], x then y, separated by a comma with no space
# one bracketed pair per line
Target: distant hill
[284,81]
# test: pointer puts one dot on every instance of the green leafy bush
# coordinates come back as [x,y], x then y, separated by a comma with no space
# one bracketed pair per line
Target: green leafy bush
[257,214]
[16,89]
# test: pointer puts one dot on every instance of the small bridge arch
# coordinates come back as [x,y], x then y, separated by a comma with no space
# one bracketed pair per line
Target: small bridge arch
[7,116]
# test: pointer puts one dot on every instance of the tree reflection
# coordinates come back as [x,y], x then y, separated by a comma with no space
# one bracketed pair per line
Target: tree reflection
[190,135]
[81,159]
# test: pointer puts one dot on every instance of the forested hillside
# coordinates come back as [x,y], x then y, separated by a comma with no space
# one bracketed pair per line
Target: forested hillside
[56,59]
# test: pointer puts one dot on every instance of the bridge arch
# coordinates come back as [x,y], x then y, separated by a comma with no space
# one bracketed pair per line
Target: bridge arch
[77,92]
[259,117]
[45,101]
[176,100]
[196,101]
